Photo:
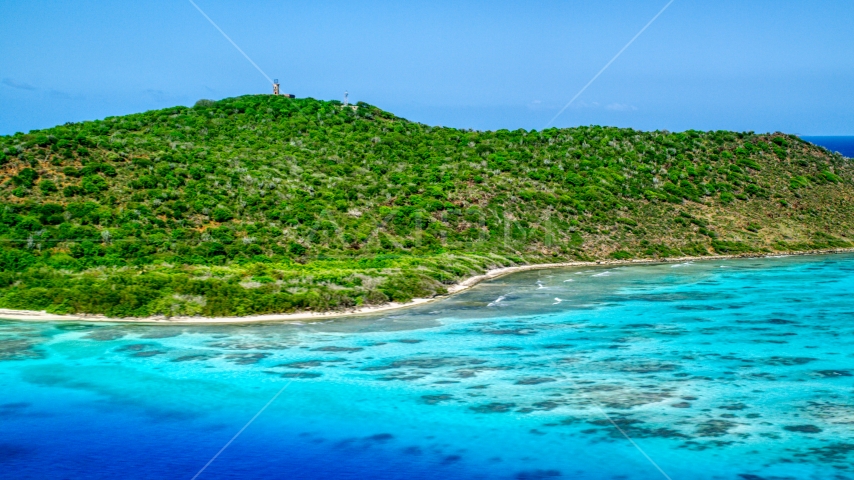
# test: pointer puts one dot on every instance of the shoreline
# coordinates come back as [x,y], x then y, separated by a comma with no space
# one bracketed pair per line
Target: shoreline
[42,316]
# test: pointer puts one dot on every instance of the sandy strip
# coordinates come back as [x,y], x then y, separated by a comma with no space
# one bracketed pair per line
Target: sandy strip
[29,315]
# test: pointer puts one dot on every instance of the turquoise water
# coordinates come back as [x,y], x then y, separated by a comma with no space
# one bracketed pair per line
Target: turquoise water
[738,369]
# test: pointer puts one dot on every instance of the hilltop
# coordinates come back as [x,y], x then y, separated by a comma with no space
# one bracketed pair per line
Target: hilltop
[262,204]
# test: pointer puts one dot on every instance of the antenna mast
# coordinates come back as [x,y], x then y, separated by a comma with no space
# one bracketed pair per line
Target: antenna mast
[346,101]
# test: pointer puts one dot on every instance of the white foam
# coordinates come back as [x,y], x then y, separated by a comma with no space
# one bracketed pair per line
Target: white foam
[496,301]
[557,300]
[568,280]
[686,264]
[603,274]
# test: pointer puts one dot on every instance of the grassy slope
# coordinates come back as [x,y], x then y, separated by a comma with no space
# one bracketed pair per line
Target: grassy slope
[265,204]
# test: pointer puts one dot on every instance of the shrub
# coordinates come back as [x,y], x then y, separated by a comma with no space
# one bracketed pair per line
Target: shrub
[222,214]
[72,191]
[47,186]
[730,247]
[93,184]
[746,162]
[25,178]
[798,181]
[830,176]
[296,249]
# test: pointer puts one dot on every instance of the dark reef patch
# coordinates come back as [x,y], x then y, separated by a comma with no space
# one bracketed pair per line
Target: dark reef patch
[13,409]
[833,453]
[105,335]
[136,347]
[413,450]
[646,367]
[617,396]
[789,361]
[697,308]
[400,376]
[547,405]
[302,365]
[632,427]
[301,375]
[147,353]
[195,357]
[517,331]
[161,332]
[750,476]
[715,428]
[495,407]
[803,428]
[248,345]
[780,321]
[380,438]
[633,326]
[246,358]
[337,349]
[534,380]
[427,363]
[434,399]
[19,349]
[74,327]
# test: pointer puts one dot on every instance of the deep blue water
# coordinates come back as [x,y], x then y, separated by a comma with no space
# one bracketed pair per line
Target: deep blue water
[843,145]
[739,369]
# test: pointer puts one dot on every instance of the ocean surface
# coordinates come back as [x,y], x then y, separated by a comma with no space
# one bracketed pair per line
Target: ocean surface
[737,369]
[843,145]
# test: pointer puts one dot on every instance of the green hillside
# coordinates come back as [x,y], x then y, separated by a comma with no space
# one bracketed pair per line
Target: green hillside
[263,204]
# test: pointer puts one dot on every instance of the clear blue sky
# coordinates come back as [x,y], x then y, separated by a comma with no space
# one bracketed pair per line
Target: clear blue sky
[742,65]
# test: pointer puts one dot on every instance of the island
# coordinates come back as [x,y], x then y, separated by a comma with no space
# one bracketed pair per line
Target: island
[263,205]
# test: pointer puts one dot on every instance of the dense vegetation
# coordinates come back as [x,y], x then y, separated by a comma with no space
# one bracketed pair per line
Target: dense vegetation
[264,204]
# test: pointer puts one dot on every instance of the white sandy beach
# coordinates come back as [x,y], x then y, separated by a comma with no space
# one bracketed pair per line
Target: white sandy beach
[29,315]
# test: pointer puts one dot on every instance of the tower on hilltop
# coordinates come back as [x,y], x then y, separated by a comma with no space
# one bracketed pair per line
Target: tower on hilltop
[277,92]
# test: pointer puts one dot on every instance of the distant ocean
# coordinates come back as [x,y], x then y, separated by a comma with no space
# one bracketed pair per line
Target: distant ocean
[843,145]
